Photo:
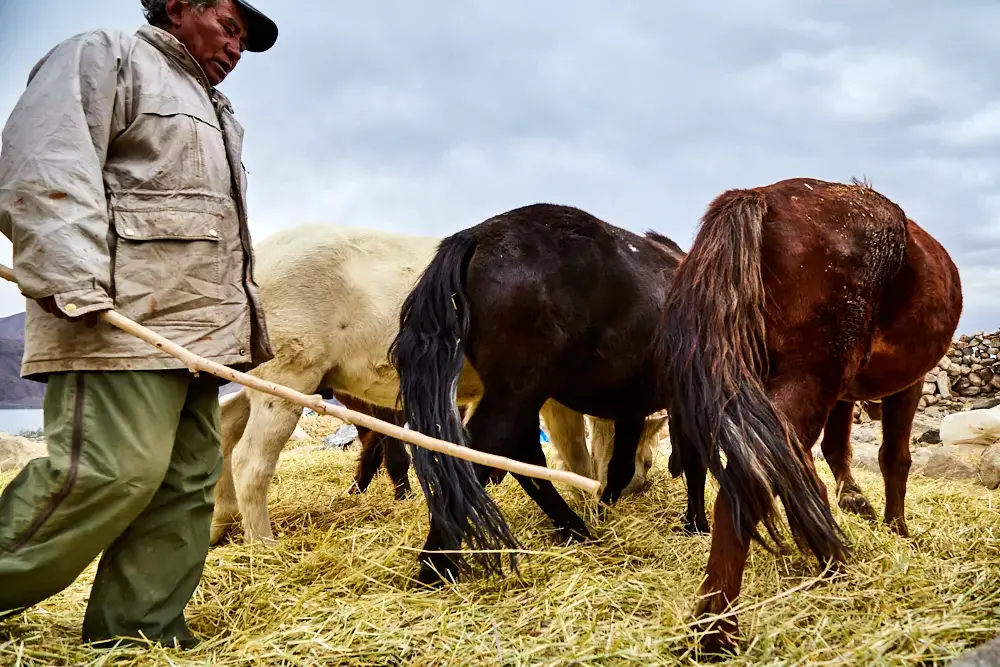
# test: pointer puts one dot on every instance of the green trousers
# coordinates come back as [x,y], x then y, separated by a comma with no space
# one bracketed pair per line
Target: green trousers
[133,461]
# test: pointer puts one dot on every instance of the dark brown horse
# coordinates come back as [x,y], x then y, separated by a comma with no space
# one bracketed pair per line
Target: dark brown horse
[797,300]
[544,301]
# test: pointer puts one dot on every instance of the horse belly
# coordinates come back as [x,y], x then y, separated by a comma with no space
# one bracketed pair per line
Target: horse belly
[632,398]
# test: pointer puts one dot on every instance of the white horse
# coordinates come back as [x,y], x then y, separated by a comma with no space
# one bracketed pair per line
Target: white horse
[332,297]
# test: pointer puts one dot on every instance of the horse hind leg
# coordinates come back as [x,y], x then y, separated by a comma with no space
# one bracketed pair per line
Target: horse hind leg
[369,459]
[649,440]
[255,457]
[695,474]
[235,412]
[603,440]
[500,428]
[397,464]
[394,456]
[894,455]
[496,475]
[377,448]
[838,452]
[800,401]
[602,447]
[621,466]
[568,434]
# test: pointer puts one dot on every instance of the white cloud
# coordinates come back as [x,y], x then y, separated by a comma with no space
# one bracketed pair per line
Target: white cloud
[859,84]
[979,129]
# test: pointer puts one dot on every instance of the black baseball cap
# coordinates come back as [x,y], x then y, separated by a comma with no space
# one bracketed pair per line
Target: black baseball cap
[262,33]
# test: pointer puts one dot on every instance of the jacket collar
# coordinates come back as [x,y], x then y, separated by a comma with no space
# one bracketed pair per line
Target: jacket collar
[172,47]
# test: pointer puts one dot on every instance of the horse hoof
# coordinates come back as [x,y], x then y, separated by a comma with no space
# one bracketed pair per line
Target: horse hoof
[609,500]
[696,527]
[216,536]
[429,577]
[219,530]
[856,503]
[721,638]
[636,487]
[432,578]
[898,526]
[718,644]
[578,535]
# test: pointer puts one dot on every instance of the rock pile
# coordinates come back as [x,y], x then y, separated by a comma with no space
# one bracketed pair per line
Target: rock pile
[971,369]
[963,445]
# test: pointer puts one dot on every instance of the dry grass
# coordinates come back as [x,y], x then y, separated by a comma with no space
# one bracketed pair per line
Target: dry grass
[337,588]
[320,426]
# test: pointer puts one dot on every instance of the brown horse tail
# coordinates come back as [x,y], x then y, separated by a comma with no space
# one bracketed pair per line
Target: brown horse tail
[428,355]
[712,346]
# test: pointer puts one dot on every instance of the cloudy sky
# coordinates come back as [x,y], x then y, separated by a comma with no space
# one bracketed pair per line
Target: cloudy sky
[429,117]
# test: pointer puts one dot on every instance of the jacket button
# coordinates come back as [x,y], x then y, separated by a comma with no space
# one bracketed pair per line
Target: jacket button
[243,350]
[212,232]
[127,232]
[70,307]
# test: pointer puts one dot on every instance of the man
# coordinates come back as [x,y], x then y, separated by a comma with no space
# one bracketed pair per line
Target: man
[121,186]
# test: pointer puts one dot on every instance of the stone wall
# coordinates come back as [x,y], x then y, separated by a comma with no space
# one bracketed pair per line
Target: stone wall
[969,371]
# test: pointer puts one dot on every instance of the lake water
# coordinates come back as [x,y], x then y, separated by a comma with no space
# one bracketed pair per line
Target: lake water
[15,421]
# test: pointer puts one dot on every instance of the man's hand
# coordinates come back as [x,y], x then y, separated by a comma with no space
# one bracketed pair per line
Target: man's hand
[48,304]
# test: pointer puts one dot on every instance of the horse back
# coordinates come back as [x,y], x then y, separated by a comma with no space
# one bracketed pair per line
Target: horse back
[331,295]
[554,287]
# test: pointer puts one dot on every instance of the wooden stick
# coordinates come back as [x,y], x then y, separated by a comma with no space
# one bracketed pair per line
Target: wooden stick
[316,402]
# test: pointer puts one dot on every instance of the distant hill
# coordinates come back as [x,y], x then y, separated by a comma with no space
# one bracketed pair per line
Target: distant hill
[15,391]
[12,327]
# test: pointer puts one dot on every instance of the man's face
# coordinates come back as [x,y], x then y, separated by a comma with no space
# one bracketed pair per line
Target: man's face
[215,36]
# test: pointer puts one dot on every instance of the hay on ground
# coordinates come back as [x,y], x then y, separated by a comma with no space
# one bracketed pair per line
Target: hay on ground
[337,588]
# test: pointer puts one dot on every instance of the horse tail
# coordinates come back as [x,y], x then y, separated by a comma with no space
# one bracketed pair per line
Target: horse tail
[714,354]
[428,356]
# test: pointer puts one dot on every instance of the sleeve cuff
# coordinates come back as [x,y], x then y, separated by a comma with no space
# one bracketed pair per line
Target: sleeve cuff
[76,303]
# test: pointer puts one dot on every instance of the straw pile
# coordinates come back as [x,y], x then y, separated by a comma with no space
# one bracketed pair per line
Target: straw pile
[337,588]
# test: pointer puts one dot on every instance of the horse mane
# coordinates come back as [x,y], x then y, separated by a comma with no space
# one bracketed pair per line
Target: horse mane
[862,182]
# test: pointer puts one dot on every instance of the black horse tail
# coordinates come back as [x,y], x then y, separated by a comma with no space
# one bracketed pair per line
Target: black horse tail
[428,356]
[713,349]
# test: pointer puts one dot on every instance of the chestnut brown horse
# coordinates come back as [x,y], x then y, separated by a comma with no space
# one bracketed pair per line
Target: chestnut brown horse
[797,300]
[544,301]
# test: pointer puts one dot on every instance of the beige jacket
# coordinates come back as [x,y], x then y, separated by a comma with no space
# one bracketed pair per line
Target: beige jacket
[117,190]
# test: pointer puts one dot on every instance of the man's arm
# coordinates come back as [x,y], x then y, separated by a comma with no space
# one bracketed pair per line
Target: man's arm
[52,201]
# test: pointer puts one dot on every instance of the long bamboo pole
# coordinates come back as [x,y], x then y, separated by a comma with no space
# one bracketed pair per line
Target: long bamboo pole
[196,363]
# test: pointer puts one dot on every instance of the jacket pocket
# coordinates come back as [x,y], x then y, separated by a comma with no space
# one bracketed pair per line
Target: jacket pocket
[167,268]
[178,145]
